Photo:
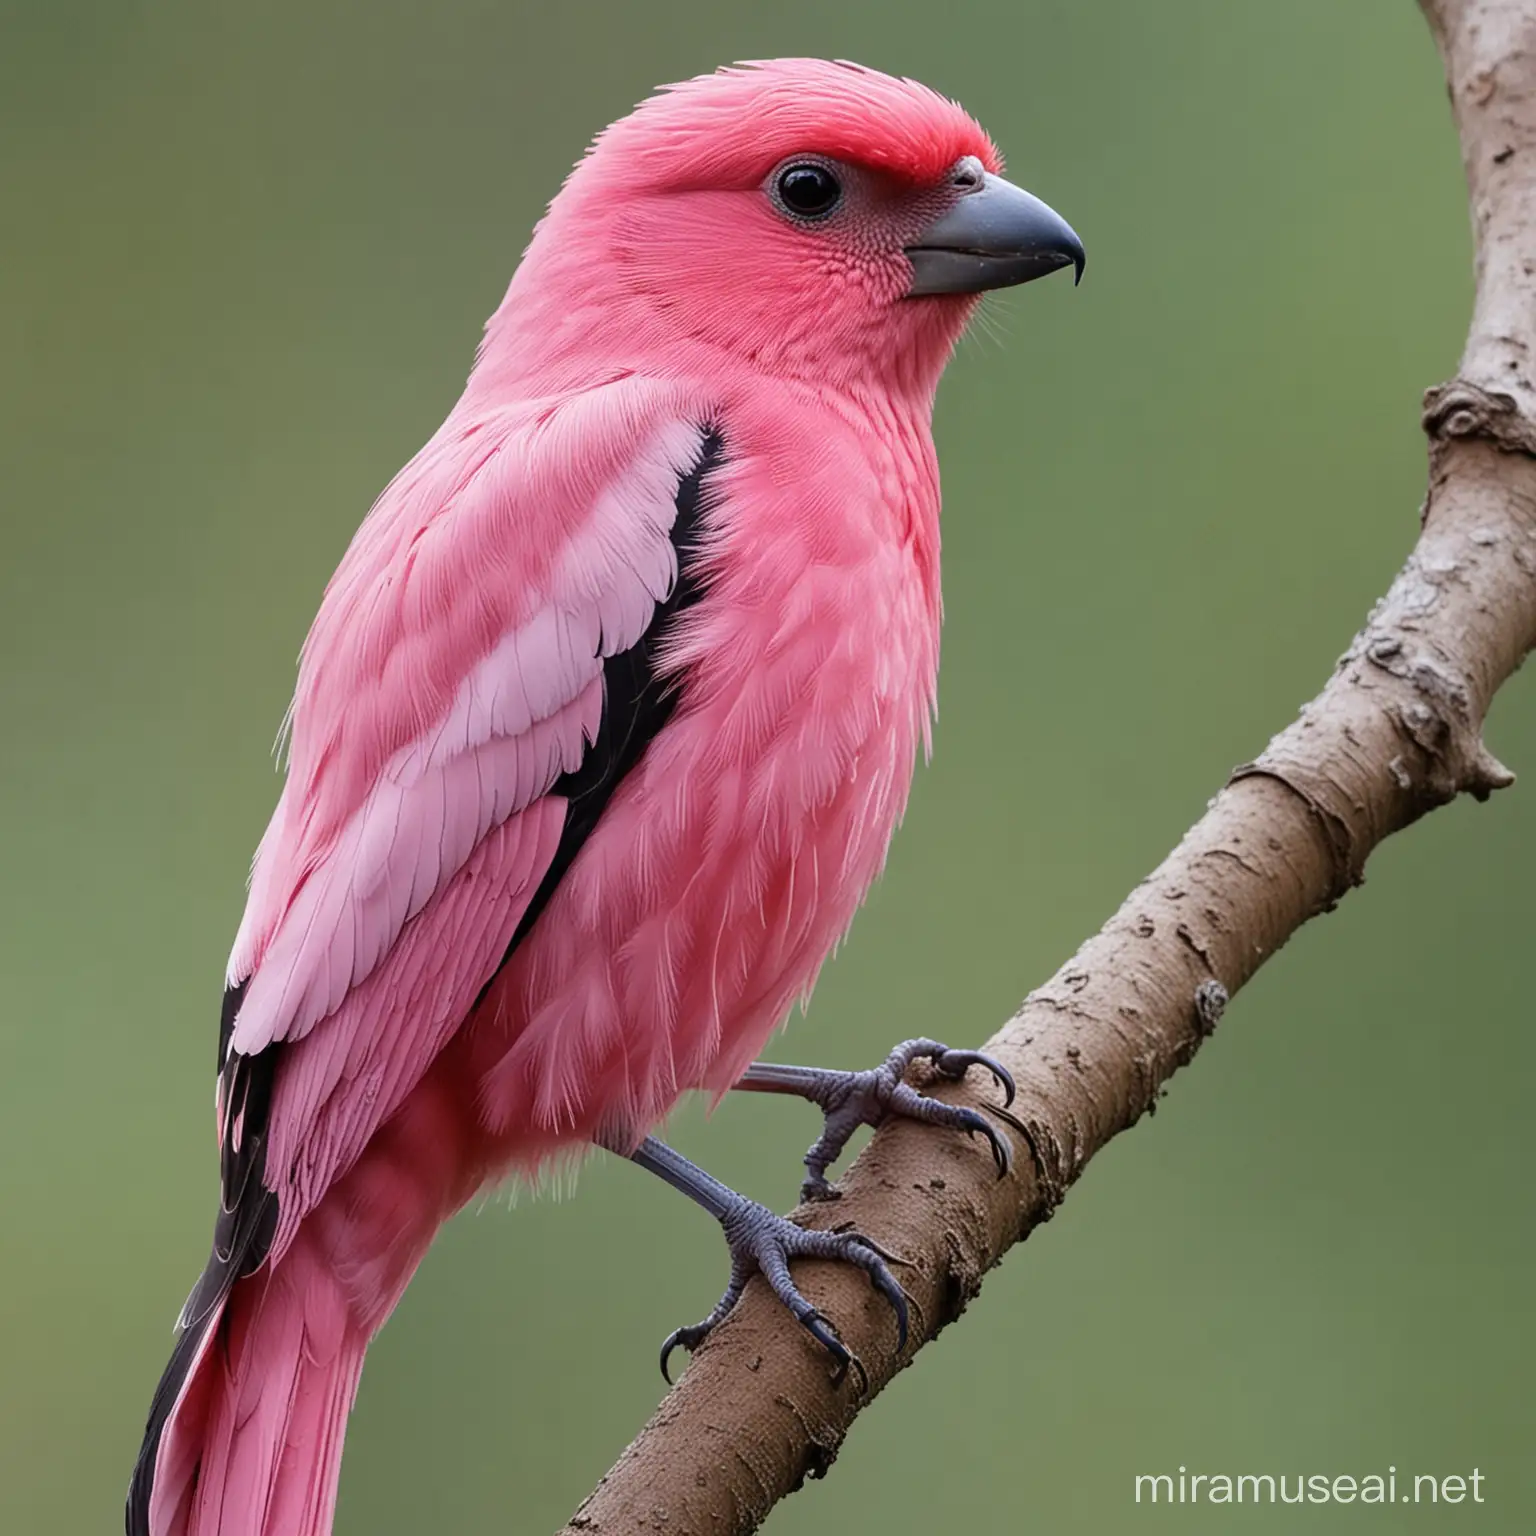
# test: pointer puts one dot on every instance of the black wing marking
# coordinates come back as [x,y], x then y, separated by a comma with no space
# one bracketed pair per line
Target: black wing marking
[638,700]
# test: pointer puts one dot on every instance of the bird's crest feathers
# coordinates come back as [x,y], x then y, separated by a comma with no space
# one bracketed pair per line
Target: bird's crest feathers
[732,126]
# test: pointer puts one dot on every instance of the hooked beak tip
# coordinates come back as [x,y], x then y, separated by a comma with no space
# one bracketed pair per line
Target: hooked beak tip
[996,236]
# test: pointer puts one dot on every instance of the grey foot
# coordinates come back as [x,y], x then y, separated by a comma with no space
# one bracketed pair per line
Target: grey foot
[852,1099]
[763,1243]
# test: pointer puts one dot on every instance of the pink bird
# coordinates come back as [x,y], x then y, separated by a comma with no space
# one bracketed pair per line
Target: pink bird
[598,742]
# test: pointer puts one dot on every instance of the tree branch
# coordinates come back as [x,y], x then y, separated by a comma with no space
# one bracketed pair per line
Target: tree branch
[1394,733]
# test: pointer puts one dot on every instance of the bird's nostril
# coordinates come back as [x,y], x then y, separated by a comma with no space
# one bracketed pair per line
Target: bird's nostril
[967,174]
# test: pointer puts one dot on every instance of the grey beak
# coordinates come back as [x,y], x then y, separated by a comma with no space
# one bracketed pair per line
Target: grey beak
[994,237]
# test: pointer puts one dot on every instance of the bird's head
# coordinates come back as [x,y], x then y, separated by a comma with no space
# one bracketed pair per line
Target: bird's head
[807,217]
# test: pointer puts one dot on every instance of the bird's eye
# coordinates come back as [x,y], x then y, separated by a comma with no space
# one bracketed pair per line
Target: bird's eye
[808,191]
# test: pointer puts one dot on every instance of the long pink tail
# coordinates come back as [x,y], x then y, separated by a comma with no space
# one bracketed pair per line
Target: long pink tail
[252,1442]
[245,1434]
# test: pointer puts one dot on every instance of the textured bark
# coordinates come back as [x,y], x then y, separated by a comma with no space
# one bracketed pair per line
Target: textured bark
[1394,733]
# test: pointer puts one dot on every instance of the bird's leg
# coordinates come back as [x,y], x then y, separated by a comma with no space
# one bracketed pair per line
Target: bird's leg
[851,1099]
[761,1242]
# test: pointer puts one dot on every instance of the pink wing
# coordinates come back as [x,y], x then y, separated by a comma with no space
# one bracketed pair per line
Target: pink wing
[454,673]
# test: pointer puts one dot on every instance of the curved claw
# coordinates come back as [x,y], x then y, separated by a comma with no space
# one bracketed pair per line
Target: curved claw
[852,1233]
[954,1064]
[1007,1119]
[688,1337]
[882,1279]
[858,1365]
[885,1283]
[826,1335]
[821,1329]
[1001,1154]
[668,1344]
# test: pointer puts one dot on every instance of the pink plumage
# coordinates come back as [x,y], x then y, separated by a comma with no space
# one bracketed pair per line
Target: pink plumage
[567,828]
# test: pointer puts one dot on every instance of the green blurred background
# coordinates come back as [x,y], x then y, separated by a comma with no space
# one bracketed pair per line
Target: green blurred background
[244,255]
